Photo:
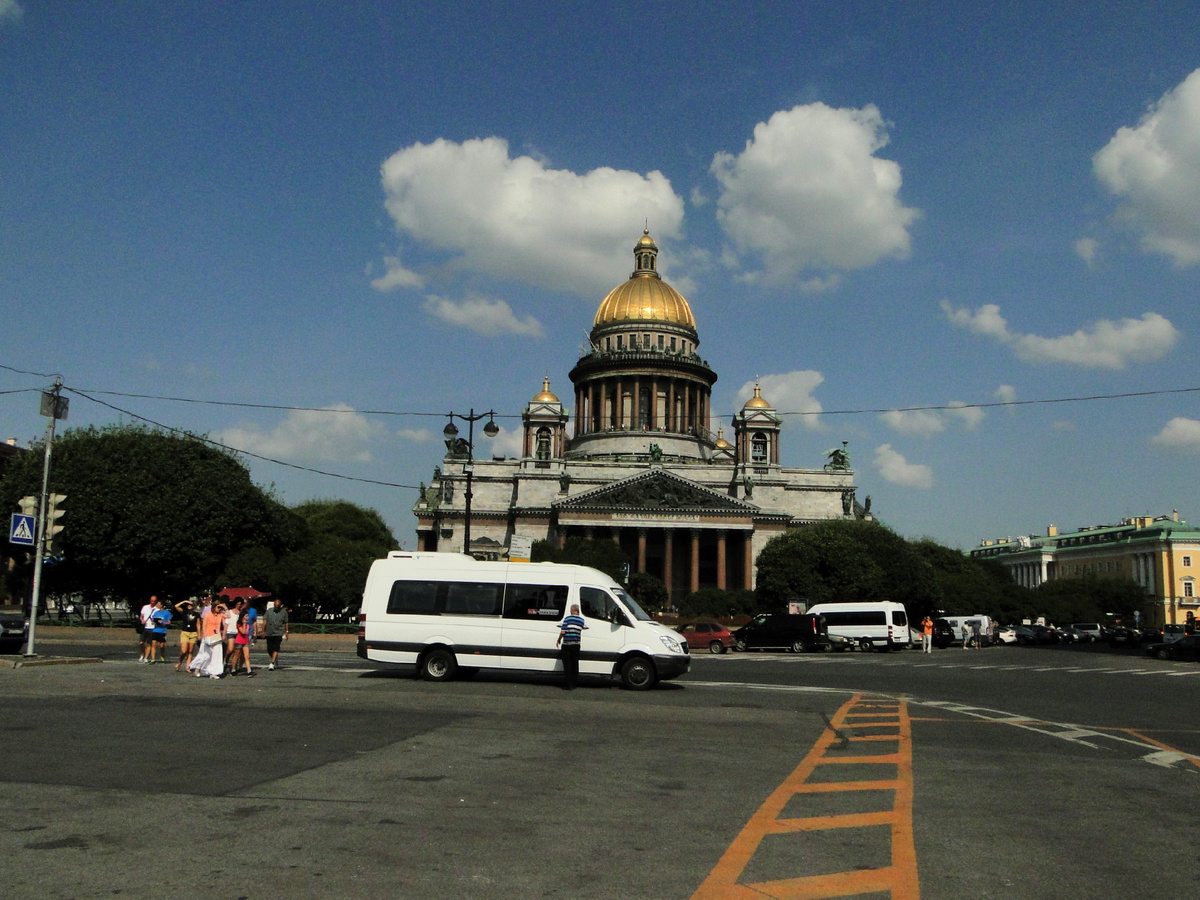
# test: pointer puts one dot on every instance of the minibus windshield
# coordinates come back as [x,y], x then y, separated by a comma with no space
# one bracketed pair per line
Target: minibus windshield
[630,604]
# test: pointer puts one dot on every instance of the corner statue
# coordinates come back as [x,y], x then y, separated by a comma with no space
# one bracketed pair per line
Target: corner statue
[839,458]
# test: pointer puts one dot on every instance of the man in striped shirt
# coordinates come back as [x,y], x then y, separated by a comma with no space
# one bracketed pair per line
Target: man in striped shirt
[570,634]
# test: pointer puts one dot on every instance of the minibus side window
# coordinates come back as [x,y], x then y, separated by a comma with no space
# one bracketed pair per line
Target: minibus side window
[465,599]
[418,598]
[899,618]
[595,603]
[543,602]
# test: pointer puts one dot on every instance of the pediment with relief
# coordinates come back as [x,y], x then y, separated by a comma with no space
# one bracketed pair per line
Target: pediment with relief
[656,490]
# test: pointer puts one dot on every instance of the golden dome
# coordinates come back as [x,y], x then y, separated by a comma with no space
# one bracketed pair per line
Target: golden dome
[645,297]
[757,401]
[546,396]
[721,443]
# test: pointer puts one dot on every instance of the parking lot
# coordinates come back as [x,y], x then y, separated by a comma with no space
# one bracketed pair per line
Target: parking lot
[1052,771]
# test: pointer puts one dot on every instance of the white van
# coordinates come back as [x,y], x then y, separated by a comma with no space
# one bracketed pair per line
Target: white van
[987,628]
[869,624]
[445,612]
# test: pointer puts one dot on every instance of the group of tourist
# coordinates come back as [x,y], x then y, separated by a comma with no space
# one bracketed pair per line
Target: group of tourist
[215,637]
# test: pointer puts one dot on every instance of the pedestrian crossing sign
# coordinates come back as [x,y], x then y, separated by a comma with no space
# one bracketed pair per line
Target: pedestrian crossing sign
[23,530]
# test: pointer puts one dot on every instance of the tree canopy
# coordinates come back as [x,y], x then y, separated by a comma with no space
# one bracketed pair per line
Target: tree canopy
[149,511]
[603,555]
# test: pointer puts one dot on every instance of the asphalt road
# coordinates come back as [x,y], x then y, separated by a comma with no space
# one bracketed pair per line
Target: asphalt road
[1012,772]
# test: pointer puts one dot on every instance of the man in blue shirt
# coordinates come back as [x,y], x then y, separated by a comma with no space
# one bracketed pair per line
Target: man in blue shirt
[159,620]
[570,636]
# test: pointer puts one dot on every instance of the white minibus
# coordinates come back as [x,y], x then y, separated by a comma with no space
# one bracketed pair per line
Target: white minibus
[869,624]
[448,612]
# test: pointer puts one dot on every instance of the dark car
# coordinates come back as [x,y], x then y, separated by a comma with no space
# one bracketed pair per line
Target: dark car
[1124,637]
[783,631]
[14,630]
[943,634]
[1185,648]
[707,636]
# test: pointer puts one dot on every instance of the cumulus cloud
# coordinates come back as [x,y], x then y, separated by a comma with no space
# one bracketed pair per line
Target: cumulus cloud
[335,433]
[1179,434]
[396,276]
[897,470]
[517,218]
[506,443]
[1085,249]
[1101,345]
[490,318]
[415,435]
[1006,393]
[10,11]
[928,422]
[790,392]
[1155,169]
[808,192]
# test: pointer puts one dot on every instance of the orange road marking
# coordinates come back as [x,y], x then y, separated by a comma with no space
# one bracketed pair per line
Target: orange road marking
[1194,760]
[899,878]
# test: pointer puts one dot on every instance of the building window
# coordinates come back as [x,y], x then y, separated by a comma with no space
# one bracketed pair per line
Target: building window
[620,342]
[672,343]
[543,443]
[1187,589]
[660,342]
[758,448]
[646,341]
[1187,562]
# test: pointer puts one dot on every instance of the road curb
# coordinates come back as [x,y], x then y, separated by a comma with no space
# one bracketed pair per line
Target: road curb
[21,663]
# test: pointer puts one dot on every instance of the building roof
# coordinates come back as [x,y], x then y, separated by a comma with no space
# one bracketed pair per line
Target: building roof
[645,297]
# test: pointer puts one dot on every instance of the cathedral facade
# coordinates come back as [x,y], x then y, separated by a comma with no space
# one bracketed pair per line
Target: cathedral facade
[635,462]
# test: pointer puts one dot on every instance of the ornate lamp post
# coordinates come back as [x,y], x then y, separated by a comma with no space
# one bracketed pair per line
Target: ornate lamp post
[457,447]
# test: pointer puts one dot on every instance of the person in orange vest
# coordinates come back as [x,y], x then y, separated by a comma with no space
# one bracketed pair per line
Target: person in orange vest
[927,634]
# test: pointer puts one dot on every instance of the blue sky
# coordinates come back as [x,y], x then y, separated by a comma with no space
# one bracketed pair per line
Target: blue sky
[415,208]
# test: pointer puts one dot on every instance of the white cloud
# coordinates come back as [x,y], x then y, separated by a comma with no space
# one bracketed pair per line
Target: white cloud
[928,422]
[1085,249]
[1006,393]
[897,470]
[490,318]
[10,10]
[914,422]
[1155,169]
[809,192]
[1103,344]
[334,433]
[1179,434]
[790,392]
[506,443]
[396,276]
[415,435]
[516,218]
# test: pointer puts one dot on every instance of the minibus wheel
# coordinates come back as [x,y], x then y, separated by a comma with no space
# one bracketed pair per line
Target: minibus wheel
[638,674]
[866,645]
[438,664]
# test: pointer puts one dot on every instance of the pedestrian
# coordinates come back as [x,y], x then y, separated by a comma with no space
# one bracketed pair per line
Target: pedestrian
[209,659]
[159,620]
[241,645]
[977,636]
[144,630]
[966,635]
[275,627]
[927,635]
[570,637]
[232,611]
[251,631]
[189,619]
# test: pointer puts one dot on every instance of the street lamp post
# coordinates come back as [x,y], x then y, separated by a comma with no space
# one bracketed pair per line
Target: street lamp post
[455,445]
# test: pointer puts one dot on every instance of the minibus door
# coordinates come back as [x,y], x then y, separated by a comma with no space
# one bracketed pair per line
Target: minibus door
[607,626]
[529,631]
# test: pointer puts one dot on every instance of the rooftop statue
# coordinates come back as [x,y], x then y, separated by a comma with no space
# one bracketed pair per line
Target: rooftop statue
[839,458]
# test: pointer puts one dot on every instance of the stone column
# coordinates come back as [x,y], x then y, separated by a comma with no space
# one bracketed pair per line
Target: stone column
[668,560]
[695,583]
[641,559]
[616,535]
[721,537]
[749,560]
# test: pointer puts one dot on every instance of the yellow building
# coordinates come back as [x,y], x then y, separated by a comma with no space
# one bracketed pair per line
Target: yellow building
[1162,554]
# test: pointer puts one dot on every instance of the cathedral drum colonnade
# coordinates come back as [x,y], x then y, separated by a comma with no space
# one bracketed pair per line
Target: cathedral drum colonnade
[642,466]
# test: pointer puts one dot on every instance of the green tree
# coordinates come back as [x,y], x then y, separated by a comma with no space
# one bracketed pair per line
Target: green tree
[649,591]
[1089,598]
[714,602]
[840,561]
[603,555]
[968,586]
[147,511]
[324,577]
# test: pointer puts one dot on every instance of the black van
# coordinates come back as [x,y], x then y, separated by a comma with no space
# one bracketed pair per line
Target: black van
[783,631]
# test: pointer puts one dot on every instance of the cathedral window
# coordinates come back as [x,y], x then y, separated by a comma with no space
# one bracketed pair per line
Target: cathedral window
[543,443]
[660,342]
[672,343]
[620,342]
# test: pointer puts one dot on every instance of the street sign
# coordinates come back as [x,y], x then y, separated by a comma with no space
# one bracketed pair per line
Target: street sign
[23,530]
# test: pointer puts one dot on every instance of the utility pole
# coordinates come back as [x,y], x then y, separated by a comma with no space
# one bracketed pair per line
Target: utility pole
[54,405]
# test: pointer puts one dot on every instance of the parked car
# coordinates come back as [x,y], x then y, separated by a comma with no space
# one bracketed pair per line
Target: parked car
[944,634]
[1187,647]
[1091,630]
[1006,634]
[707,636]
[784,631]
[1069,634]
[1035,634]
[14,630]
[839,643]
[1121,636]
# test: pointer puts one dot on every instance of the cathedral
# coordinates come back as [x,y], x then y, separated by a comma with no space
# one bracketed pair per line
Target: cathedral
[634,461]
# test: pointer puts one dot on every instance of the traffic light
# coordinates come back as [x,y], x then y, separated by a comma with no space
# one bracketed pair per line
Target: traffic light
[28,506]
[54,512]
